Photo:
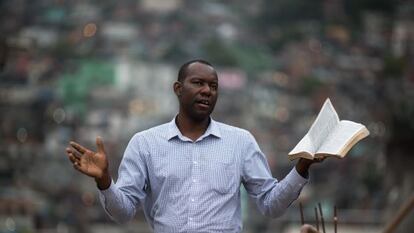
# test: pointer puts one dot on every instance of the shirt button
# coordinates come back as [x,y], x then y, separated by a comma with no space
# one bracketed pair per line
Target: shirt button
[195,162]
[191,219]
[192,199]
[194,180]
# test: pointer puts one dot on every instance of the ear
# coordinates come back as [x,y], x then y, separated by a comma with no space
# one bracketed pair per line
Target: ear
[178,86]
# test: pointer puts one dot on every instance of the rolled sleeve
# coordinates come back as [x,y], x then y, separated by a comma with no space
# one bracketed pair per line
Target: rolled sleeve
[295,180]
[107,196]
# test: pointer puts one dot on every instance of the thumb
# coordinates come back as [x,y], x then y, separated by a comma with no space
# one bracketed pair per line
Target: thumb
[100,145]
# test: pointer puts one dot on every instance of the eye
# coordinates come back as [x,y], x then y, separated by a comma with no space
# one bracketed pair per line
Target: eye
[198,83]
[214,86]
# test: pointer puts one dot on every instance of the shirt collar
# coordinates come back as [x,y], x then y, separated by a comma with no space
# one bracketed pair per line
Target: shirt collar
[212,129]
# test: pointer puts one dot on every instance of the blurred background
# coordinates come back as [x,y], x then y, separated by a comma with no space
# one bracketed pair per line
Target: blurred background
[73,70]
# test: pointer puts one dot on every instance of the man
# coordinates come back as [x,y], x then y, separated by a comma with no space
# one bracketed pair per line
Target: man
[186,174]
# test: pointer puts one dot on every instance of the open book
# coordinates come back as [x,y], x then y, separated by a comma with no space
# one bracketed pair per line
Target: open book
[328,136]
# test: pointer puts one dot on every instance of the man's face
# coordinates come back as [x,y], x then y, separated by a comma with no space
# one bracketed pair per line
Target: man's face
[198,92]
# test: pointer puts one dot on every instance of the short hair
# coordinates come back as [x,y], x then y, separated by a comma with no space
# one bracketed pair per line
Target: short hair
[182,72]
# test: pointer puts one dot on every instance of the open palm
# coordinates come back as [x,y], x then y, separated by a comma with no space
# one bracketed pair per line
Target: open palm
[91,163]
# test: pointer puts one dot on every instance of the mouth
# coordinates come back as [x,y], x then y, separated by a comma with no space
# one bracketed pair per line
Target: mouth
[203,103]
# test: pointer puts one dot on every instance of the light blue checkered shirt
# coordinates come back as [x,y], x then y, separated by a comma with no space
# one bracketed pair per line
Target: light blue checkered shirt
[186,186]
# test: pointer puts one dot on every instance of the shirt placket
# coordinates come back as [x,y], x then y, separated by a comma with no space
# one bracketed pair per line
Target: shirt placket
[194,188]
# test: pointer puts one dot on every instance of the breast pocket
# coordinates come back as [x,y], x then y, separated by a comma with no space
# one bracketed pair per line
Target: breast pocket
[222,176]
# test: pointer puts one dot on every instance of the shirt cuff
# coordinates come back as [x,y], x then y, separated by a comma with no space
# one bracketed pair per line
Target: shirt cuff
[295,179]
[108,193]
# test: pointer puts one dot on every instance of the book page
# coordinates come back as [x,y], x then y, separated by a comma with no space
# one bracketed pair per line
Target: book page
[304,145]
[325,122]
[339,138]
[364,132]
[304,155]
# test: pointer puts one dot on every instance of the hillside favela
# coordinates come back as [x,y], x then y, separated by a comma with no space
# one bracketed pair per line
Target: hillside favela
[75,70]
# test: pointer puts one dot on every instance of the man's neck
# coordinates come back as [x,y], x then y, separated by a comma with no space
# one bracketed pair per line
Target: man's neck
[191,128]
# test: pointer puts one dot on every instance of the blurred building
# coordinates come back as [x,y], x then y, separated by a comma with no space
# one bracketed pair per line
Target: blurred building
[73,70]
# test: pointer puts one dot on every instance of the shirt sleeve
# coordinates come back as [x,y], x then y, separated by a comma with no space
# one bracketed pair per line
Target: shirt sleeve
[122,199]
[272,197]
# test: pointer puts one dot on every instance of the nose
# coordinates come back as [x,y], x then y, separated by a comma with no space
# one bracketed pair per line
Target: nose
[206,90]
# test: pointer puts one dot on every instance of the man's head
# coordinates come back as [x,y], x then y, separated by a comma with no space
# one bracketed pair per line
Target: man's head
[197,89]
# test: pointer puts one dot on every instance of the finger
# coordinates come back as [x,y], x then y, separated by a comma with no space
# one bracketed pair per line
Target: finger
[78,147]
[70,151]
[73,158]
[100,145]
[73,152]
[318,160]
[69,154]
[77,166]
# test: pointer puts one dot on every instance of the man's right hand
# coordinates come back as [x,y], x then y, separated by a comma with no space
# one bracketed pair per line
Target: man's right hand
[91,163]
